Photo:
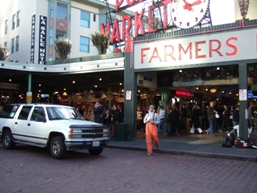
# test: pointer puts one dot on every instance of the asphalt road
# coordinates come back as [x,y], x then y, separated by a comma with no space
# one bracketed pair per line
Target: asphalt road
[28,169]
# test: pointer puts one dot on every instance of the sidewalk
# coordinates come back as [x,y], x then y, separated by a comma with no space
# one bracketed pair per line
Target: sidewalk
[202,145]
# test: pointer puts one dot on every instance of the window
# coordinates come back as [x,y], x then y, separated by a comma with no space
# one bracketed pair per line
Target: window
[51,9]
[37,113]
[5,45]
[6,27]
[84,44]
[94,17]
[51,40]
[84,19]
[62,11]
[12,48]
[13,21]
[17,43]
[24,112]
[18,19]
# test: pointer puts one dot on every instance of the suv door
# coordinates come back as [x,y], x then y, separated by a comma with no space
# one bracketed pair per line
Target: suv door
[21,123]
[36,128]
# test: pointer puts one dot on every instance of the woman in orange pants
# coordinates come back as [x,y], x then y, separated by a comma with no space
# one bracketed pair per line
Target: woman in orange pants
[151,119]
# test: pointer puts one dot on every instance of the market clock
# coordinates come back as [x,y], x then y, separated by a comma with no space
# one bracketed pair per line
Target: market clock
[188,13]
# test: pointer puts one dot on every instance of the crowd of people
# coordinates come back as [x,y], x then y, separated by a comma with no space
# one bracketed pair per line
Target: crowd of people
[172,121]
[104,115]
[205,118]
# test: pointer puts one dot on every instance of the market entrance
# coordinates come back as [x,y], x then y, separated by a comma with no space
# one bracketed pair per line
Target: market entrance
[189,87]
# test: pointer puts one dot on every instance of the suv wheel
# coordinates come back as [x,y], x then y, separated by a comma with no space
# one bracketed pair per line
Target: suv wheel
[8,140]
[95,151]
[57,147]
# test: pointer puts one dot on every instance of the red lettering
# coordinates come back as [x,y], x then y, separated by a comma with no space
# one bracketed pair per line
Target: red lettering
[230,45]
[157,55]
[151,20]
[130,2]
[211,49]
[125,31]
[180,49]
[105,30]
[118,4]
[115,32]
[143,54]
[168,54]
[138,23]
[198,49]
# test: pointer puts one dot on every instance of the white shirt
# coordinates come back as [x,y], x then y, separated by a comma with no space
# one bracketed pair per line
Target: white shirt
[152,116]
[162,114]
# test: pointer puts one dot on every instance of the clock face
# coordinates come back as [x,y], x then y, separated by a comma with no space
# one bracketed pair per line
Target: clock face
[188,13]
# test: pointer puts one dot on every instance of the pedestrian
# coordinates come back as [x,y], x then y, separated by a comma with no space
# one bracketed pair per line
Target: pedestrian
[183,115]
[195,118]
[204,122]
[116,114]
[225,119]
[161,113]
[250,119]
[107,121]
[211,116]
[235,119]
[174,120]
[98,110]
[151,120]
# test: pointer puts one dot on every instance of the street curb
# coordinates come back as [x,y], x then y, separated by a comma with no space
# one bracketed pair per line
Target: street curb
[190,153]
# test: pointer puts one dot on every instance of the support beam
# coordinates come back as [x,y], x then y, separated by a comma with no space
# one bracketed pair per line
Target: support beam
[243,86]
[130,98]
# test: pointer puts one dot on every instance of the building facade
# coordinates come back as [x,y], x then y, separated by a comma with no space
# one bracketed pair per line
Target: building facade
[29,28]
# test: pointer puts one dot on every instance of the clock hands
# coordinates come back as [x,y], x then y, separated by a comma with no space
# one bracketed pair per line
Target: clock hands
[188,6]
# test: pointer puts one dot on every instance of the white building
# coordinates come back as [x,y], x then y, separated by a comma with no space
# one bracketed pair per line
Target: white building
[72,19]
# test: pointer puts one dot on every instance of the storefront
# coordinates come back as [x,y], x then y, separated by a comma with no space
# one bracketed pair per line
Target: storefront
[220,60]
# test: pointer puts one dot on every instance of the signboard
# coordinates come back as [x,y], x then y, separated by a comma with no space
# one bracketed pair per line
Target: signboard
[29,97]
[242,95]
[32,41]
[42,39]
[200,49]
[128,95]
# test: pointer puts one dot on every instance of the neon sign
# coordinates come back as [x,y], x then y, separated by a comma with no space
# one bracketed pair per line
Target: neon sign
[119,34]
[183,93]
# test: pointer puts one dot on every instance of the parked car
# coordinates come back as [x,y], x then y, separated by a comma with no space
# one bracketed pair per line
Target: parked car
[61,128]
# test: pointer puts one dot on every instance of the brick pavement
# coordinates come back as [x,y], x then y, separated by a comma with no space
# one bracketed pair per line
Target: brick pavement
[32,170]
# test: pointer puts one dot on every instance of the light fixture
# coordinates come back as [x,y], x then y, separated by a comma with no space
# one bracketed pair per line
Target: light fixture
[213,90]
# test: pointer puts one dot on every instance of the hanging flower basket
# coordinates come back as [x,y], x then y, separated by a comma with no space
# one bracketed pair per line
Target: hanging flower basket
[101,41]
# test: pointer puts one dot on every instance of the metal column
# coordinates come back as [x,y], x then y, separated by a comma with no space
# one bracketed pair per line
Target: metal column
[243,86]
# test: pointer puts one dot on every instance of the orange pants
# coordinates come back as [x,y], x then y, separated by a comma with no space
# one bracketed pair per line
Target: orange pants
[151,134]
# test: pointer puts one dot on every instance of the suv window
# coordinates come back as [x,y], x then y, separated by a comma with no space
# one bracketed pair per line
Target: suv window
[24,112]
[8,111]
[38,112]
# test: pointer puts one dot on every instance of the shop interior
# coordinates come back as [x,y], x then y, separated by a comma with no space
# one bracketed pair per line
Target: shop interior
[189,86]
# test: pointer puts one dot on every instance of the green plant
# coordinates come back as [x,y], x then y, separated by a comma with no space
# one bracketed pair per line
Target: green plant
[3,53]
[100,41]
[62,48]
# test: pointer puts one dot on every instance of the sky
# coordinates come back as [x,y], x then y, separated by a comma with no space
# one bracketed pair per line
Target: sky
[222,11]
